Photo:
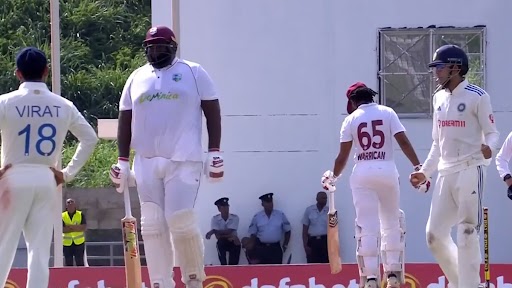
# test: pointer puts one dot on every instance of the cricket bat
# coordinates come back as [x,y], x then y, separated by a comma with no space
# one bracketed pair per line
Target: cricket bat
[131,245]
[487,268]
[333,242]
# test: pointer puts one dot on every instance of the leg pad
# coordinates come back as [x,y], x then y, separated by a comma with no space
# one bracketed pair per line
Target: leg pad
[189,246]
[157,244]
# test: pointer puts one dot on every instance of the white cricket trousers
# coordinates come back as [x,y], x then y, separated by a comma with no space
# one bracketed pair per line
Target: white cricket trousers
[165,187]
[457,201]
[376,196]
[27,203]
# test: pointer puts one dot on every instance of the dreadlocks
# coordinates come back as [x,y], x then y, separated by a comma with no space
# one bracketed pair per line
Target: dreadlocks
[363,95]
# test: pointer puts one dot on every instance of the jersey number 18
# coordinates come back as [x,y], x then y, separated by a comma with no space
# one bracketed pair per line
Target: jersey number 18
[45,133]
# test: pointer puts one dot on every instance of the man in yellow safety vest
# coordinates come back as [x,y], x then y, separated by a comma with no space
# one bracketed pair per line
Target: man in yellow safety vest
[73,234]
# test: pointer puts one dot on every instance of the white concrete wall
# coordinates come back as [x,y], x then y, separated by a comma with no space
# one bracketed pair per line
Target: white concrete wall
[282,68]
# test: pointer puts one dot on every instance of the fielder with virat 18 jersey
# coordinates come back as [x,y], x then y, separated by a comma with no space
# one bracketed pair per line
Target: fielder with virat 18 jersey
[464,139]
[34,123]
[374,183]
[160,117]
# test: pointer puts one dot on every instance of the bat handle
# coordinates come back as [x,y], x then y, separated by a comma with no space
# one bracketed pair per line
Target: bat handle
[127,202]
[331,201]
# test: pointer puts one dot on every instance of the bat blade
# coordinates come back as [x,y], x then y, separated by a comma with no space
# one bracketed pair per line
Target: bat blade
[333,242]
[487,268]
[131,245]
[131,253]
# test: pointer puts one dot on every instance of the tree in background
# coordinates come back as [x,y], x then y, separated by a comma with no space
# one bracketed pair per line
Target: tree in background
[100,46]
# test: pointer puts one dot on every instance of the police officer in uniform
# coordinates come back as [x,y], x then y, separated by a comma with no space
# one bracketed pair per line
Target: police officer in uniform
[73,234]
[224,227]
[314,230]
[266,229]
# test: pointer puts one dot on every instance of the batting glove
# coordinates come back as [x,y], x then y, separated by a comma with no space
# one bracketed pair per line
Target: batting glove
[425,186]
[509,192]
[214,168]
[121,175]
[328,181]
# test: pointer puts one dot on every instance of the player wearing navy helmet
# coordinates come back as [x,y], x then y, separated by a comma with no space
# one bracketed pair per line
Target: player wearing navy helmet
[464,140]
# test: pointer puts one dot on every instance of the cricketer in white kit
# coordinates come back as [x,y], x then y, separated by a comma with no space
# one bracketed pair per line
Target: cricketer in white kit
[33,124]
[502,163]
[464,140]
[374,183]
[160,117]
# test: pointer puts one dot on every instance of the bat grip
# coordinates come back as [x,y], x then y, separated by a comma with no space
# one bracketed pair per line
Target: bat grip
[127,202]
[331,201]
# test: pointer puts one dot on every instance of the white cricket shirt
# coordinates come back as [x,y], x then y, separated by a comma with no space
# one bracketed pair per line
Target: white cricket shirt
[166,109]
[463,120]
[371,128]
[34,123]
[503,157]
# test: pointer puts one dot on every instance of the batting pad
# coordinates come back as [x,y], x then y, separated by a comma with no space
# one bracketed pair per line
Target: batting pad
[189,246]
[157,245]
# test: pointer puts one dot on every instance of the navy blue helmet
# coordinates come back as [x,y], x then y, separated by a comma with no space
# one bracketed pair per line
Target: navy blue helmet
[451,55]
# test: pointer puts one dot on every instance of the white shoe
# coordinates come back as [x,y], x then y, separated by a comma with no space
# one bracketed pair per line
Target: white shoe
[393,282]
[371,284]
[194,284]
[159,284]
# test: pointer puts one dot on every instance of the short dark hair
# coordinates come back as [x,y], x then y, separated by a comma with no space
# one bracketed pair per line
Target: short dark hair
[33,74]
[363,94]
[32,63]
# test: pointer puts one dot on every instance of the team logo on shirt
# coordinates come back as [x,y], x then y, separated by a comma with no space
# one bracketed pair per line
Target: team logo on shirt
[176,77]
[158,96]
[461,107]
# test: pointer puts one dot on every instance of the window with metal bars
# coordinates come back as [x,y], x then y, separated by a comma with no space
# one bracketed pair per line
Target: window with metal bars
[405,81]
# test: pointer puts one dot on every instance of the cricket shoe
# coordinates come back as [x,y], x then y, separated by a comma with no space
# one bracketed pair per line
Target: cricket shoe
[393,282]
[194,284]
[371,283]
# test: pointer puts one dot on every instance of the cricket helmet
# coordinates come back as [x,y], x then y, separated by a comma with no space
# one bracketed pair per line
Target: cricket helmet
[451,55]
[160,46]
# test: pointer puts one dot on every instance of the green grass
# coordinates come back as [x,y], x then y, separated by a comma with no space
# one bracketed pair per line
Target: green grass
[95,173]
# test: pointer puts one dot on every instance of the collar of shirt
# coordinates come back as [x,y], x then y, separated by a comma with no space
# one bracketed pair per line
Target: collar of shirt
[176,59]
[33,85]
[459,88]
[367,105]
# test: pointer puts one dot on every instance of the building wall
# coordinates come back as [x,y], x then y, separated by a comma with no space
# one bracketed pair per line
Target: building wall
[282,69]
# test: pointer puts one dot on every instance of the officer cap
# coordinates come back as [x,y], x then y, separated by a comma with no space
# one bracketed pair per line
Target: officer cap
[222,202]
[266,197]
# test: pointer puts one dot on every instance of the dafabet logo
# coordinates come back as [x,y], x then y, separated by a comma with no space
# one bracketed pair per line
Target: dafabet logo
[11,284]
[217,282]
[410,282]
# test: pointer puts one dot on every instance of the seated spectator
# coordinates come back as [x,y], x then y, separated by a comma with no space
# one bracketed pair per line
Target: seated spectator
[224,226]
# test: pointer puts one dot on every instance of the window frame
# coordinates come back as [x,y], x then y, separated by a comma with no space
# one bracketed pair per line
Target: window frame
[430,32]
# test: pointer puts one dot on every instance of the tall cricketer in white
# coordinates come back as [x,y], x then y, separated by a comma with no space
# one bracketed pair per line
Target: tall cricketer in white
[502,163]
[34,123]
[374,183]
[464,140]
[161,119]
